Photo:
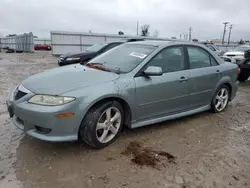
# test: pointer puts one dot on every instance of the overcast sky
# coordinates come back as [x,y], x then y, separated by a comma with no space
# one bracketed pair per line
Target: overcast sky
[170,17]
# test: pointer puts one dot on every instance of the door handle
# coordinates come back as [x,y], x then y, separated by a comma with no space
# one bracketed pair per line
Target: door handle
[183,79]
[218,72]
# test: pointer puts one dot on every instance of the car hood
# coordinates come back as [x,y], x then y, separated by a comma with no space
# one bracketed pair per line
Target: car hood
[236,53]
[63,79]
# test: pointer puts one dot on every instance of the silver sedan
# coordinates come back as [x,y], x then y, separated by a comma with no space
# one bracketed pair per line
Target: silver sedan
[134,84]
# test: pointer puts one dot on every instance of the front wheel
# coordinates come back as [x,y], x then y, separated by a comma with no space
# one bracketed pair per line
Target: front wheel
[102,124]
[220,99]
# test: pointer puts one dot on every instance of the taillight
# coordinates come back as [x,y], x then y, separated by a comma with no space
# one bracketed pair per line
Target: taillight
[238,71]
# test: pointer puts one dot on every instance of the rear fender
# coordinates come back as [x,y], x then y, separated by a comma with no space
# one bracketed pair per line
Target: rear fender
[225,80]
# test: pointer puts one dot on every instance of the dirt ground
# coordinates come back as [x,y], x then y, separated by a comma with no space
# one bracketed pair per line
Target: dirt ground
[211,150]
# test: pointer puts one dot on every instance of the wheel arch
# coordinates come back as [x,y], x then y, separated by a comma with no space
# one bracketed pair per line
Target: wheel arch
[125,105]
[224,81]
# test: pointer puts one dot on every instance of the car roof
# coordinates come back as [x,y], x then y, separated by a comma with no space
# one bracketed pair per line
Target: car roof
[159,43]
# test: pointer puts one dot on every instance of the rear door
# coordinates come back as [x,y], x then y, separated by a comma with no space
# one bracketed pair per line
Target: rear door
[205,72]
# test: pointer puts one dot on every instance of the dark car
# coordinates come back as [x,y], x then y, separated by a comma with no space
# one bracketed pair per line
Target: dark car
[88,54]
[244,66]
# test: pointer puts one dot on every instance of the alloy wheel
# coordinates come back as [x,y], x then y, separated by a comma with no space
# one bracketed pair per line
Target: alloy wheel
[108,124]
[221,99]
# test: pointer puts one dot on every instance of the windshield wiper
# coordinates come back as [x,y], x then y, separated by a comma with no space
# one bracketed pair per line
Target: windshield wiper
[98,66]
[95,64]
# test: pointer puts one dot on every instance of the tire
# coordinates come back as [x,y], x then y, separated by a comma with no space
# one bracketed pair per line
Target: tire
[217,99]
[90,131]
[242,77]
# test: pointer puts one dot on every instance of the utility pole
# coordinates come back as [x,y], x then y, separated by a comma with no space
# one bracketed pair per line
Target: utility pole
[180,36]
[137,27]
[190,33]
[230,30]
[224,32]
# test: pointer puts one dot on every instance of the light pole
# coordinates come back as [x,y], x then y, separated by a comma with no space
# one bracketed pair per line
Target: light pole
[224,32]
[190,33]
[230,30]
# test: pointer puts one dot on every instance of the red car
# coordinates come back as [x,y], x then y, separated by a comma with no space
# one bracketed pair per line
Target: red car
[42,47]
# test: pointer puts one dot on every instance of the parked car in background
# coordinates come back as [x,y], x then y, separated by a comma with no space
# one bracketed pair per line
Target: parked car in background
[244,66]
[134,84]
[238,52]
[42,47]
[228,59]
[214,48]
[88,54]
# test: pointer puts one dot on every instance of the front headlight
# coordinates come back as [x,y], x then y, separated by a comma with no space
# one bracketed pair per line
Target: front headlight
[73,58]
[49,100]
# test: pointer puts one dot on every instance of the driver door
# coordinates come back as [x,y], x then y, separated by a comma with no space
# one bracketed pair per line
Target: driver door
[165,94]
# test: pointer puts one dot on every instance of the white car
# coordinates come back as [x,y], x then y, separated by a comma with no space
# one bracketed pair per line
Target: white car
[237,53]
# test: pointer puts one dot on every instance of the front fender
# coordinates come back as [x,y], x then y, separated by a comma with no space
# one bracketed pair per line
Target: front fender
[89,96]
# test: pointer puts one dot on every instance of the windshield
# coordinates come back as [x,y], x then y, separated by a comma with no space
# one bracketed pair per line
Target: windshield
[123,58]
[96,47]
[241,48]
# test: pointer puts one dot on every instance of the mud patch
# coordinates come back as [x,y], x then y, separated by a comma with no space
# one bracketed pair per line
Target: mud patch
[144,156]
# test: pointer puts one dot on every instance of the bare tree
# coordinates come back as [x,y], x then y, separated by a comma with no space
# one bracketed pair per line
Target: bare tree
[156,33]
[145,30]
[120,33]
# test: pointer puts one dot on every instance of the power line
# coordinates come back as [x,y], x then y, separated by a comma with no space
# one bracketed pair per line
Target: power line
[230,30]
[224,32]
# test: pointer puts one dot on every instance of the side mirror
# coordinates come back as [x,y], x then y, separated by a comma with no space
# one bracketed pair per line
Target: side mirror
[153,71]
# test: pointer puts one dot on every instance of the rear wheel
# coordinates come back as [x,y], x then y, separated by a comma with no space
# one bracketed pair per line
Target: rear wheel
[102,124]
[220,99]
[242,77]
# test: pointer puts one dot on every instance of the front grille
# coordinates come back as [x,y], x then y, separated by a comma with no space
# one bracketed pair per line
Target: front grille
[20,121]
[43,130]
[20,94]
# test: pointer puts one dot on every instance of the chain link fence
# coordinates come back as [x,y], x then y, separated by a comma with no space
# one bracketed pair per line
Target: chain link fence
[23,43]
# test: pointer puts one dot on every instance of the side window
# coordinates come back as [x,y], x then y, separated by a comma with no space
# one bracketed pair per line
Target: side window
[170,59]
[198,58]
[213,62]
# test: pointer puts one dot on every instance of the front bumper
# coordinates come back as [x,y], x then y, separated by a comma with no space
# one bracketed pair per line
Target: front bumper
[41,121]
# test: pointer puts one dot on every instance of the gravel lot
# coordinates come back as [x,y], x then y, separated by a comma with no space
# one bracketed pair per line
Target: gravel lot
[211,150]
